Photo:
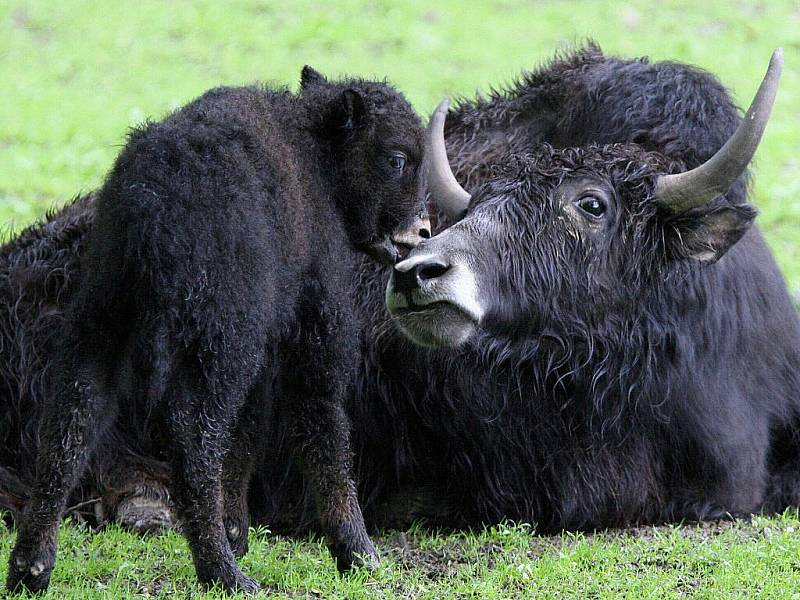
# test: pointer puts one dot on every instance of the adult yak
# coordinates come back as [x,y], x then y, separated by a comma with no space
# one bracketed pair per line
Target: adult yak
[480,433]
[624,329]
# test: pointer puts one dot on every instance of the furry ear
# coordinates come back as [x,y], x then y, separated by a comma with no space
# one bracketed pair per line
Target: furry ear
[310,76]
[346,113]
[354,110]
[706,235]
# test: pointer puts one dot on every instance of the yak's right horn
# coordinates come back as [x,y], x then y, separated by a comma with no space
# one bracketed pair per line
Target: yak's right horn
[683,191]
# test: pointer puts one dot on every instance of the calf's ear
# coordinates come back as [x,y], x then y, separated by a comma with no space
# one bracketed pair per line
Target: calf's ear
[706,235]
[310,76]
[346,113]
[353,110]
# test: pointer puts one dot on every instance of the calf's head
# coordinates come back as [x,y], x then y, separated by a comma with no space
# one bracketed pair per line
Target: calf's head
[375,142]
[569,240]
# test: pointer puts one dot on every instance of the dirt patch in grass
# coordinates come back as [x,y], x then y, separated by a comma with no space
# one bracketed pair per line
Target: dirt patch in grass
[437,563]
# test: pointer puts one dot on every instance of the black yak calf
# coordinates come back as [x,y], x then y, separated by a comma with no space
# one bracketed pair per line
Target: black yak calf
[634,339]
[216,288]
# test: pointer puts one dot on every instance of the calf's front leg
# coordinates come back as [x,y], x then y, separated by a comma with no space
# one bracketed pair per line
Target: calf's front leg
[200,424]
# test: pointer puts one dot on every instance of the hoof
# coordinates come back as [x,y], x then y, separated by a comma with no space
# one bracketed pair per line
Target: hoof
[229,578]
[241,584]
[358,555]
[368,559]
[26,571]
[237,537]
[142,514]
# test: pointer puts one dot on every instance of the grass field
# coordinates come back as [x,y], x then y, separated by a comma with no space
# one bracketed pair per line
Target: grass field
[724,560]
[77,74]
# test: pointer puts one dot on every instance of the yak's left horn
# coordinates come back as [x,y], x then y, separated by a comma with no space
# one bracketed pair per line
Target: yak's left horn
[447,194]
[683,191]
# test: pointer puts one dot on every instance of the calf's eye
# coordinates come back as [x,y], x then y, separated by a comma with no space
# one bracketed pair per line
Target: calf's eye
[593,205]
[398,161]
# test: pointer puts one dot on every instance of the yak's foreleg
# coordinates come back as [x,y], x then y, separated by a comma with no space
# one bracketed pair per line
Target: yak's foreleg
[328,465]
[135,492]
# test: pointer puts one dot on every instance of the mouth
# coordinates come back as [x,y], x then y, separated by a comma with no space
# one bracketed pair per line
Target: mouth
[381,250]
[420,309]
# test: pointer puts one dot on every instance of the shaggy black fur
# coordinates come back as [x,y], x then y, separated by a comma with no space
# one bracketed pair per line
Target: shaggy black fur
[616,382]
[216,288]
[585,98]
[505,428]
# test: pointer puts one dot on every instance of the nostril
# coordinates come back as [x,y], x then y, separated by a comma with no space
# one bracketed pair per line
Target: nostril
[428,272]
[418,270]
[424,233]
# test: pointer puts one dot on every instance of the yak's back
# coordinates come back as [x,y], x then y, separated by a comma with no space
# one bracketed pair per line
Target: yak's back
[583,97]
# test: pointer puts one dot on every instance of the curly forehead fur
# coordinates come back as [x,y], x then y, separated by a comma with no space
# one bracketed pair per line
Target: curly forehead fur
[379,98]
[627,165]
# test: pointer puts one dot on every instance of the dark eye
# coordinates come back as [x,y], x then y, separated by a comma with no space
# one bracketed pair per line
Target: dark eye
[398,161]
[593,205]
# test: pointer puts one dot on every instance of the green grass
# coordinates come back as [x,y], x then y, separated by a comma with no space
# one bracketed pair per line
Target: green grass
[724,560]
[77,74]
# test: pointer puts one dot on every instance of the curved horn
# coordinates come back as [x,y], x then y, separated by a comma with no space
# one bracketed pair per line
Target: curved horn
[683,191]
[447,194]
